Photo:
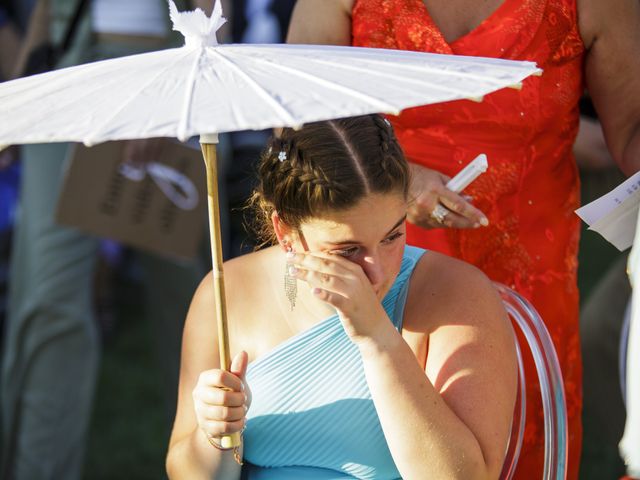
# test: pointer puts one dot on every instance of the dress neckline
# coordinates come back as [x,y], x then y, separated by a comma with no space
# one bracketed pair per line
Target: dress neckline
[481,26]
[321,325]
[410,259]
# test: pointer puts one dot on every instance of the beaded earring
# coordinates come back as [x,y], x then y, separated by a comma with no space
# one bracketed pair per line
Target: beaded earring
[290,283]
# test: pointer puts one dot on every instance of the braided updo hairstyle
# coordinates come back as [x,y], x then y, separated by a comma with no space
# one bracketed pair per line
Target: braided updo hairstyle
[326,166]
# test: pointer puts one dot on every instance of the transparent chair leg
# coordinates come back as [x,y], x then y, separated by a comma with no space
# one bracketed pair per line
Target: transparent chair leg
[551,388]
[517,424]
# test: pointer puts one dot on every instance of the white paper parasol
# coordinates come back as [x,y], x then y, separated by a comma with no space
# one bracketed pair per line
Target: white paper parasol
[204,88]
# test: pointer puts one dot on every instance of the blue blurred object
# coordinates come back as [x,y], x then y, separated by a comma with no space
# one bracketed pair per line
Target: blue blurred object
[4,17]
[9,185]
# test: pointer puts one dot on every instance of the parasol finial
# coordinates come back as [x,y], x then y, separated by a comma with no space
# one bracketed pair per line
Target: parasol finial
[198,29]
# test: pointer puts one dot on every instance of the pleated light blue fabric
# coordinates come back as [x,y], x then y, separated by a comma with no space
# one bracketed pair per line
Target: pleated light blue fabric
[312,415]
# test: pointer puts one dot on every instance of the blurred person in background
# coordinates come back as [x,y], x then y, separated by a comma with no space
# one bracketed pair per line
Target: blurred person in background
[605,293]
[520,227]
[630,443]
[11,41]
[252,21]
[51,349]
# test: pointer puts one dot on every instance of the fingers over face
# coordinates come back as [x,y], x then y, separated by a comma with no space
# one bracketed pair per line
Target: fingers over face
[332,298]
[331,282]
[321,262]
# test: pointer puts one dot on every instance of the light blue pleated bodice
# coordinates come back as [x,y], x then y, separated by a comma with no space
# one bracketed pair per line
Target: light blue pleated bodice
[312,416]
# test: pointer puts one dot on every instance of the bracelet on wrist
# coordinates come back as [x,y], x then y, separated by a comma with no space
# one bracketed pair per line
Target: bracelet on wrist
[215,443]
[212,440]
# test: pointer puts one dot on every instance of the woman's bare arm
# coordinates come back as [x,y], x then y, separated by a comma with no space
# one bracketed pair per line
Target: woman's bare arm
[321,22]
[611,33]
[447,416]
[11,43]
[452,422]
[190,454]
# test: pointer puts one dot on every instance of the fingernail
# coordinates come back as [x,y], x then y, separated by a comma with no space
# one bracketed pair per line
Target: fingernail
[291,254]
[484,221]
[316,290]
[476,225]
[242,387]
[292,270]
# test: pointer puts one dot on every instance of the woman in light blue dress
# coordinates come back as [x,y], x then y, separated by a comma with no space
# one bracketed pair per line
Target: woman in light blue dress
[359,356]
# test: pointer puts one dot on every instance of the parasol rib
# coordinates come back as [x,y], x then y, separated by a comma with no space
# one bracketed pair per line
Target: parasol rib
[425,68]
[282,112]
[188,97]
[380,105]
[364,71]
[88,141]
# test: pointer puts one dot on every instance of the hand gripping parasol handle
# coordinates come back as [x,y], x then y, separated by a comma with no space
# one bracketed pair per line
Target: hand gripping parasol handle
[209,153]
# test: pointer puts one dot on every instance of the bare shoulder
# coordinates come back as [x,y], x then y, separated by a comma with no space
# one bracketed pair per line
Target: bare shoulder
[597,18]
[467,346]
[246,285]
[248,276]
[610,31]
[445,290]
[343,7]
[321,22]
[587,21]
[239,274]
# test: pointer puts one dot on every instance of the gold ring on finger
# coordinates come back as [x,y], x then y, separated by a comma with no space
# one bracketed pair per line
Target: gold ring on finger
[439,213]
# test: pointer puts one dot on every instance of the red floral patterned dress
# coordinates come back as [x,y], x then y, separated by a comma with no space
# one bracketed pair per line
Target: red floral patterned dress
[531,188]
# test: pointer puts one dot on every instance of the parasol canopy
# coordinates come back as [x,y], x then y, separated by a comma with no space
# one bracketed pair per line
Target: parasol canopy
[204,87]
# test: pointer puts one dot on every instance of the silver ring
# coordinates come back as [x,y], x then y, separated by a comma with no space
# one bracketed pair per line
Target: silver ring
[439,213]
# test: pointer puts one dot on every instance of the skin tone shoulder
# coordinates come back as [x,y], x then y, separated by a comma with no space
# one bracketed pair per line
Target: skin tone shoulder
[442,386]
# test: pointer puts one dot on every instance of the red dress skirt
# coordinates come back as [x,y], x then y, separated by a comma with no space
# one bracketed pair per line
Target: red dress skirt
[531,188]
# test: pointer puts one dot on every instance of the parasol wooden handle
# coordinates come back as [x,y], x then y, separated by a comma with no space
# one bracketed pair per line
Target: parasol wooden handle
[209,153]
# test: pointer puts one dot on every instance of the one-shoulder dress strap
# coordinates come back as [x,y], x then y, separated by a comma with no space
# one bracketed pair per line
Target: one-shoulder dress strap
[396,299]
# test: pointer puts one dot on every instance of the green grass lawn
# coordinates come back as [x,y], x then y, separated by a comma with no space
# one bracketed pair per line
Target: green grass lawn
[129,431]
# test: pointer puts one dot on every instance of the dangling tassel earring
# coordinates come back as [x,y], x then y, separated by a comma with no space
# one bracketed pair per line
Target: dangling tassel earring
[290,283]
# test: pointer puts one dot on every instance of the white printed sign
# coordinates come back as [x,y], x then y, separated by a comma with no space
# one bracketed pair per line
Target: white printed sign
[614,215]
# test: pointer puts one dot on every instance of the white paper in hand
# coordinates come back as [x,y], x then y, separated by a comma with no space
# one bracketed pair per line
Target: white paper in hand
[614,215]
[468,174]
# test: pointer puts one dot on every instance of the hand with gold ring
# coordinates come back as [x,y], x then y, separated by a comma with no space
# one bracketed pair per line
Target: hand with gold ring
[439,213]
[433,205]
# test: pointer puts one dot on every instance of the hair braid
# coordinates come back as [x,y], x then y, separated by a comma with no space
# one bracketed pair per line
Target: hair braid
[387,141]
[326,166]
